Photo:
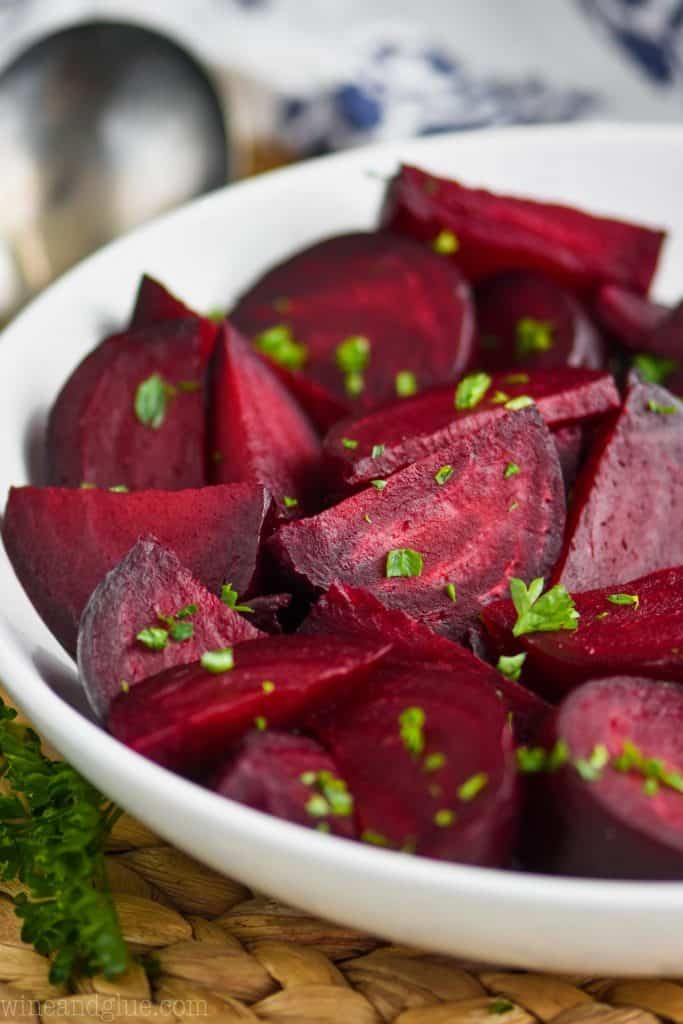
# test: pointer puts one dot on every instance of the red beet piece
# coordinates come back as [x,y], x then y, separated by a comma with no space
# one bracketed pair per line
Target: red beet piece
[411,307]
[629,317]
[569,442]
[148,583]
[617,825]
[642,638]
[259,432]
[154,304]
[63,542]
[265,611]
[527,320]
[186,718]
[406,780]
[495,233]
[628,500]
[351,611]
[464,518]
[132,413]
[398,434]
[266,771]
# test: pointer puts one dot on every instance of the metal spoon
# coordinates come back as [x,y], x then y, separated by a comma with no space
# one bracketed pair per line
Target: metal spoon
[102,126]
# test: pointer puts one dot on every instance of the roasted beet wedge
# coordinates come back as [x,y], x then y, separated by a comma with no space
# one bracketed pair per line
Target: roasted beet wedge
[154,304]
[628,317]
[187,717]
[495,233]
[628,500]
[63,542]
[525,319]
[289,776]
[633,629]
[259,432]
[429,760]
[351,611]
[615,809]
[132,413]
[377,316]
[146,590]
[464,516]
[366,447]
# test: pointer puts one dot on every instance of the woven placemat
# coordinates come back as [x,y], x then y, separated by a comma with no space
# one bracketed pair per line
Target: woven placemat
[217,950]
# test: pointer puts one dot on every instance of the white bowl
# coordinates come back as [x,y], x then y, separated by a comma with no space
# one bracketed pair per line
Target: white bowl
[208,252]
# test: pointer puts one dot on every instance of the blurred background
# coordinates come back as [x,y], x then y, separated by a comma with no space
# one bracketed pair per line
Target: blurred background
[112,111]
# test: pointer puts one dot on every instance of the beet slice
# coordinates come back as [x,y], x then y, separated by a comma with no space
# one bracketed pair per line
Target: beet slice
[411,307]
[351,611]
[618,824]
[148,583]
[407,773]
[63,542]
[266,771]
[259,432]
[400,433]
[154,304]
[641,637]
[495,233]
[569,442]
[527,320]
[185,718]
[101,430]
[265,611]
[629,317]
[629,496]
[462,517]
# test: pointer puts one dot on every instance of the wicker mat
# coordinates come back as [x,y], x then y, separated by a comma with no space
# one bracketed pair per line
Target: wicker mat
[222,952]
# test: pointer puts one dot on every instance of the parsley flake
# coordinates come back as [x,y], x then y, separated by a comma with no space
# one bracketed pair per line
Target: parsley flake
[124,686]
[499,398]
[446,243]
[279,345]
[521,402]
[187,611]
[403,562]
[532,336]
[433,762]
[88,487]
[374,838]
[444,818]
[219,661]
[511,665]
[443,475]
[260,723]
[602,615]
[471,390]
[317,806]
[653,369]
[512,469]
[353,354]
[231,597]
[663,410]
[405,384]
[349,442]
[473,786]
[590,768]
[290,502]
[450,593]
[625,599]
[151,401]
[118,489]
[377,451]
[379,485]
[181,631]
[542,613]
[267,686]
[154,637]
[411,722]
[331,791]
[514,505]
[354,384]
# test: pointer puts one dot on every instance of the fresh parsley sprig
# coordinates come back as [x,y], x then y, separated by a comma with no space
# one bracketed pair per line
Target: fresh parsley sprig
[539,612]
[52,832]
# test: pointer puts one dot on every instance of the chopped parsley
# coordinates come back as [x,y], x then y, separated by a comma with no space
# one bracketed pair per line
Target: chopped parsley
[499,398]
[444,818]
[154,637]
[231,597]
[542,613]
[473,786]
[514,505]
[354,384]
[350,443]
[663,410]
[450,593]
[260,723]
[88,487]
[405,383]
[118,489]
[532,336]
[653,369]
[181,631]
[411,723]
[290,502]
[332,796]
[517,378]
[433,762]
[632,759]
[379,485]
[446,243]
[267,686]
[631,600]
[374,838]
[124,686]
[151,401]
[218,661]
[353,355]
[512,469]
[471,390]
[521,402]
[531,760]
[317,806]
[403,562]
[591,768]
[511,665]
[602,615]
[443,475]
[279,345]
[377,451]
